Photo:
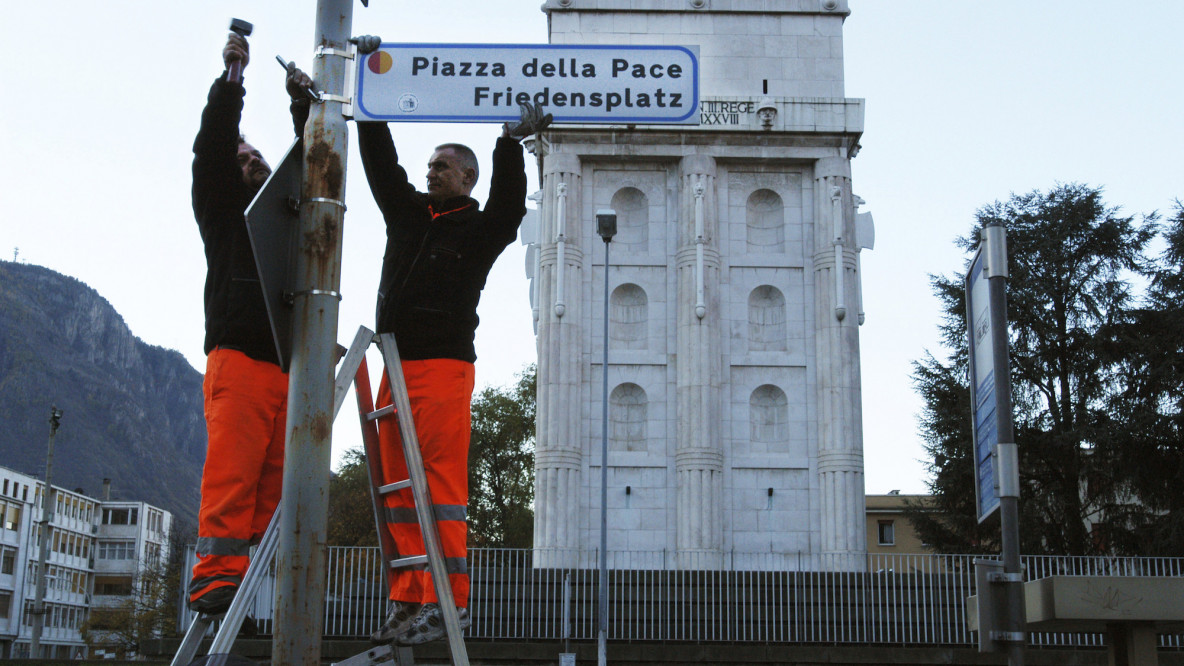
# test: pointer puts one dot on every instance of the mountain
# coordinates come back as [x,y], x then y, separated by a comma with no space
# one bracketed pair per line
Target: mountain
[132,411]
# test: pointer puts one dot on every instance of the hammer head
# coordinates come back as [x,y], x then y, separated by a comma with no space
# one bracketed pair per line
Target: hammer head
[241,27]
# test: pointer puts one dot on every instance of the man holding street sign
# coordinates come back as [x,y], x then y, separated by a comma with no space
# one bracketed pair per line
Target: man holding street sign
[440,248]
[245,389]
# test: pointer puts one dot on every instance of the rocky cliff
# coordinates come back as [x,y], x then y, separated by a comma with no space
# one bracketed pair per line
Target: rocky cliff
[132,411]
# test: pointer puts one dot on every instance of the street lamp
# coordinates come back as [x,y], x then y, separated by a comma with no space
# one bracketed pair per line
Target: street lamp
[47,502]
[606,227]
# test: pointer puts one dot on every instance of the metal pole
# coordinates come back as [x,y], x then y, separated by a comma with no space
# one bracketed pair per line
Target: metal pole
[1008,469]
[48,499]
[602,639]
[300,584]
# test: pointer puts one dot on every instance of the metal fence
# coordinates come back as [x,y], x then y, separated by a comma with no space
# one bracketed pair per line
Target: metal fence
[915,600]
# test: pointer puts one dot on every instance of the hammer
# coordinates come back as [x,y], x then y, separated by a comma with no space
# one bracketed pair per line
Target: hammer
[242,29]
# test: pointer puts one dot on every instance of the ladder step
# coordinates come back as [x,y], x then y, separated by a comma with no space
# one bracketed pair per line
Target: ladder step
[392,487]
[408,561]
[380,412]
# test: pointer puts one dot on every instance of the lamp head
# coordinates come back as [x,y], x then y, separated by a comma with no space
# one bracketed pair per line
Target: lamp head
[606,223]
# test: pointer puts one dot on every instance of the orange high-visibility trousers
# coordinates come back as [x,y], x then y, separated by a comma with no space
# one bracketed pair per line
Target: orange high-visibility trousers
[246,406]
[440,391]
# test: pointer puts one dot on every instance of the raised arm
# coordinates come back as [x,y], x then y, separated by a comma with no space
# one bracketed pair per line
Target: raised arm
[507,191]
[216,174]
[387,179]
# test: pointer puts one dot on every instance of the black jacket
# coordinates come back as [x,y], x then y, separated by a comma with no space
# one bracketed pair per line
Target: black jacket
[433,271]
[235,314]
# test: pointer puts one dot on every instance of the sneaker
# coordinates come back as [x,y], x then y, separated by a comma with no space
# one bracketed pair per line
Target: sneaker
[397,621]
[428,625]
[215,602]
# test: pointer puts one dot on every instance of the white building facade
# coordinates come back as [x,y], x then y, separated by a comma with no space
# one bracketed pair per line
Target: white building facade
[131,552]
[80,565]
[734,306]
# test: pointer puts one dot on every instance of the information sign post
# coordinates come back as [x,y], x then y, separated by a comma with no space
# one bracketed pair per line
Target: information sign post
[996,458]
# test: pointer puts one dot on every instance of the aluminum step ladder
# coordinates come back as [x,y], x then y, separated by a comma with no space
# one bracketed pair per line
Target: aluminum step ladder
[354,370]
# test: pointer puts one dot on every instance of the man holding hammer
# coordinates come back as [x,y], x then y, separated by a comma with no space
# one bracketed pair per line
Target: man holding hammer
[245,389]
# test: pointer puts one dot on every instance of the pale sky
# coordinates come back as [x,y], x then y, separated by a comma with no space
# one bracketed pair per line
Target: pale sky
[966,102]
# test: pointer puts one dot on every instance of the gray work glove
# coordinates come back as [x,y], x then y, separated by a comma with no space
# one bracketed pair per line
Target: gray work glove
[532,121]
[367,43]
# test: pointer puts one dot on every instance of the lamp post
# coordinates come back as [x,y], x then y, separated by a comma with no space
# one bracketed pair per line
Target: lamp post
[606,227]
[47,505]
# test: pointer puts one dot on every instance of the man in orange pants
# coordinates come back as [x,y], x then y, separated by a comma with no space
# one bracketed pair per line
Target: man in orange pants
[246,392]
[440,248]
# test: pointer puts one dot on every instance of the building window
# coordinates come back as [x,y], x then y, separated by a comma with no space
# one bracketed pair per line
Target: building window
[155,521]
[7,560]
[5,605]
[113,586]
[117,550]
[120,516]
[886,533]
[151,554]
[11,515]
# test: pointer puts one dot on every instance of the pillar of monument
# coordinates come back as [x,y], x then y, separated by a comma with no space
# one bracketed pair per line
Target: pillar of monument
[698,455]
[558,446]
[836,337]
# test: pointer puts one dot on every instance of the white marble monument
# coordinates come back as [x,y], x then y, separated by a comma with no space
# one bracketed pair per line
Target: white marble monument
[734,299]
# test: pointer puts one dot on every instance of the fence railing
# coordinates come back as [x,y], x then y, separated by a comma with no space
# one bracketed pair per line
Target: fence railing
[523,594]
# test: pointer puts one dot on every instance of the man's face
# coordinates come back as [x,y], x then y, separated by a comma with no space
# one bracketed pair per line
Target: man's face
[255,169]
[446,177]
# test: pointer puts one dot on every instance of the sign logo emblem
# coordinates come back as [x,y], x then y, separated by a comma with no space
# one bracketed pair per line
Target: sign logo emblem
[408,103]
[380,62]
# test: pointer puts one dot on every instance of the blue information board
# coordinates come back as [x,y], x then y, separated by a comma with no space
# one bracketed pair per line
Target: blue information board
[982,386]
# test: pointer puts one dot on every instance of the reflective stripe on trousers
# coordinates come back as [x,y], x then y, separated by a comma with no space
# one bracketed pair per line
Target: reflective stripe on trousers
[440,391]
[246,414]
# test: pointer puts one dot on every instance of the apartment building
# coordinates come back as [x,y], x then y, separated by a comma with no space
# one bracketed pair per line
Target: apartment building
[97,551]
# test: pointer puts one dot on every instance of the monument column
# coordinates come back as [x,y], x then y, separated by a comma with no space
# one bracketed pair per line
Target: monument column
[698,456]
[836,337]
[558,453]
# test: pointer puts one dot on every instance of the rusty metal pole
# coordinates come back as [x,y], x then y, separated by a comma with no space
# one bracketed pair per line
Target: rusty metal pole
[300,594]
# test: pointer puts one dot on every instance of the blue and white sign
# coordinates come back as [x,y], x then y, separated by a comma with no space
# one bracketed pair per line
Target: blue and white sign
[487,82]
[982,386]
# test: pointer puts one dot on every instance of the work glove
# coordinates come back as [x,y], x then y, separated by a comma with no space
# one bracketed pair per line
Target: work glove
[367,43]
[532,121]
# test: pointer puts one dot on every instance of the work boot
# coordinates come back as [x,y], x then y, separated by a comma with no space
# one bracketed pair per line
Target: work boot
[397,620]
[428,625]
[215,602]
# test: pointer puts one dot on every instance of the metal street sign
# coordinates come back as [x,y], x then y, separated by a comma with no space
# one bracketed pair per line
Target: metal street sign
[486,82]
[982,385]
[272,220]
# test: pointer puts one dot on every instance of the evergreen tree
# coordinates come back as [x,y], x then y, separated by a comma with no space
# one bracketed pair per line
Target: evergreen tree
[350,507]
[501,465]
[501,475]
[1070,259]
[1146,515]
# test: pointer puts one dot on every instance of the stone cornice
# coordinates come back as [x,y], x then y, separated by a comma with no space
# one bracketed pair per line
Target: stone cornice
[775,7]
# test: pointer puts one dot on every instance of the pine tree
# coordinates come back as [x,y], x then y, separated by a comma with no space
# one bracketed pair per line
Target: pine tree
[1146,515]
[1071,260]
[501,475]
[501,465]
